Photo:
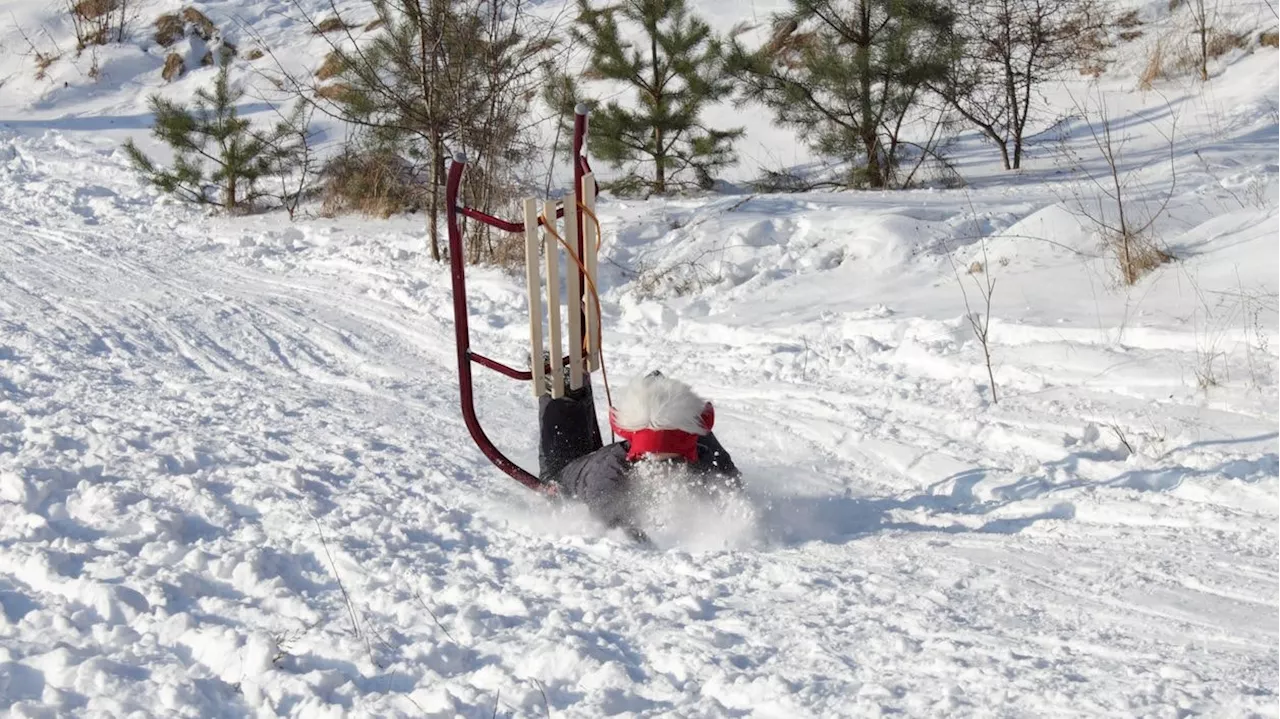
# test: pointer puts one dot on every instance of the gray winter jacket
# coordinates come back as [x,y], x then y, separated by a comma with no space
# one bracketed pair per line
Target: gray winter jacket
[602,479]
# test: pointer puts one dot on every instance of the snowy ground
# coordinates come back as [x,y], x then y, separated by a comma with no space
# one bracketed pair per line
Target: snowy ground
[234,481]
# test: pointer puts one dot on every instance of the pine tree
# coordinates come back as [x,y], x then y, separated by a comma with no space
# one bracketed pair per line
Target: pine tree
[848,74]
[218,156]
[675,72]
[561,93]
[442,76]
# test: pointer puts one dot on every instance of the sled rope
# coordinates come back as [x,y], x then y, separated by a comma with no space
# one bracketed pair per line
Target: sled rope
[549,226]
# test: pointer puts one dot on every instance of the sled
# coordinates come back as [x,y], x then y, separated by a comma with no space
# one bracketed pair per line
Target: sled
[571,239]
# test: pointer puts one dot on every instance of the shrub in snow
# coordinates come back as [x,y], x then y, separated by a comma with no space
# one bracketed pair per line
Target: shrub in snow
[169,29]
[375,182]
[1125,224]
[850,75]
[431,84]
[331,24]
[675,69]
[199,23]
[173,68]
[98,22]
[1010,49]
[172,27]
[219,156]
[330,68]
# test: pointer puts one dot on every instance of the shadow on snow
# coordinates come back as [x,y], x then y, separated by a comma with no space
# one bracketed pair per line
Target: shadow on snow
[798,519]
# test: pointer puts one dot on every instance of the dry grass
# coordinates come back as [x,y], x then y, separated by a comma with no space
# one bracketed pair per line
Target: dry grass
[331,24]
[507,251]
[97,22]
[1093,68]
[1270,38]
[1092,39]
[1129,20]
[374,25]
[200,22]
[1154,69]
[255,54]
[169,29]
[173,67]
[1136,256]
[1220,43]
[1178,57]
[1130,35]
[94,9]
[333,92]
[377,183]
[43,63]
[332,66]
[226,52]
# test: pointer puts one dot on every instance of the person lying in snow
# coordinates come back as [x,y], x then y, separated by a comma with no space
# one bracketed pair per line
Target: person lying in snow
[660,420]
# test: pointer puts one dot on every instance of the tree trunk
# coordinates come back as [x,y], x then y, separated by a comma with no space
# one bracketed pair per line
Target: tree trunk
[1004,153]
[660,155]
[433,202]
[1202,28]
[428,57]
[866,120]
[660,171]
[1016,110]
[1204,55]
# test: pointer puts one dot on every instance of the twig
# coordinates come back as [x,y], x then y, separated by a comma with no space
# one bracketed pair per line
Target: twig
[546,705]
[982,327]
[355,624]
[737,205]
[1119,433]
[1209,170]
[434,618]
[981,323]
[1129,238]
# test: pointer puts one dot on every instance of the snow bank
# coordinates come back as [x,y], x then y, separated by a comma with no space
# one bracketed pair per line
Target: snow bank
[234,481]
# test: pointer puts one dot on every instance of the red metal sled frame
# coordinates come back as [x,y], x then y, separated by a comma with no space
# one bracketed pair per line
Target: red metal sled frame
[457,263]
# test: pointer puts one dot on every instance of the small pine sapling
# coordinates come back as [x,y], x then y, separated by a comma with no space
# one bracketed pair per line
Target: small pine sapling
[675,69]
[218,156]
[849,76]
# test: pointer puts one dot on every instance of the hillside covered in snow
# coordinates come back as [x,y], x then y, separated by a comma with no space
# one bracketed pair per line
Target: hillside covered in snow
[234,480]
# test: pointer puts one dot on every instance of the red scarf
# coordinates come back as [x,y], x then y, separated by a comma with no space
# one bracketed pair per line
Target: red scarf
[663,441]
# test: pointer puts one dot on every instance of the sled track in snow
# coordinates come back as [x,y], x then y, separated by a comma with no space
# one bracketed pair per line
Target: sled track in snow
[198,445]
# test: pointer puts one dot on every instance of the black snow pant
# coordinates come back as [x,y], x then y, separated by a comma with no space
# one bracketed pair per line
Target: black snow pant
[572,455]
[568,430]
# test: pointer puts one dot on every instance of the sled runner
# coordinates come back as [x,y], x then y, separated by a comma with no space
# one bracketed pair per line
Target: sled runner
[569,230]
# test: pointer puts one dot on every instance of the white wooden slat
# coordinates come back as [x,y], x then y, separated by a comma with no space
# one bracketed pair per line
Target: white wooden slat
[574,301]
[533,282]
[591,233]
[553,300]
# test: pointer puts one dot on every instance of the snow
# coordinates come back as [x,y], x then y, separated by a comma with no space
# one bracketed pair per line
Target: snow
[234,480]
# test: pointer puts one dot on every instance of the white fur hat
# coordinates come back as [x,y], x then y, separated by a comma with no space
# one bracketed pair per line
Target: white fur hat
[659,402]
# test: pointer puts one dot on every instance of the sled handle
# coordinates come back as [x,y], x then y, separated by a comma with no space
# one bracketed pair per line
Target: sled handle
[462,329]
